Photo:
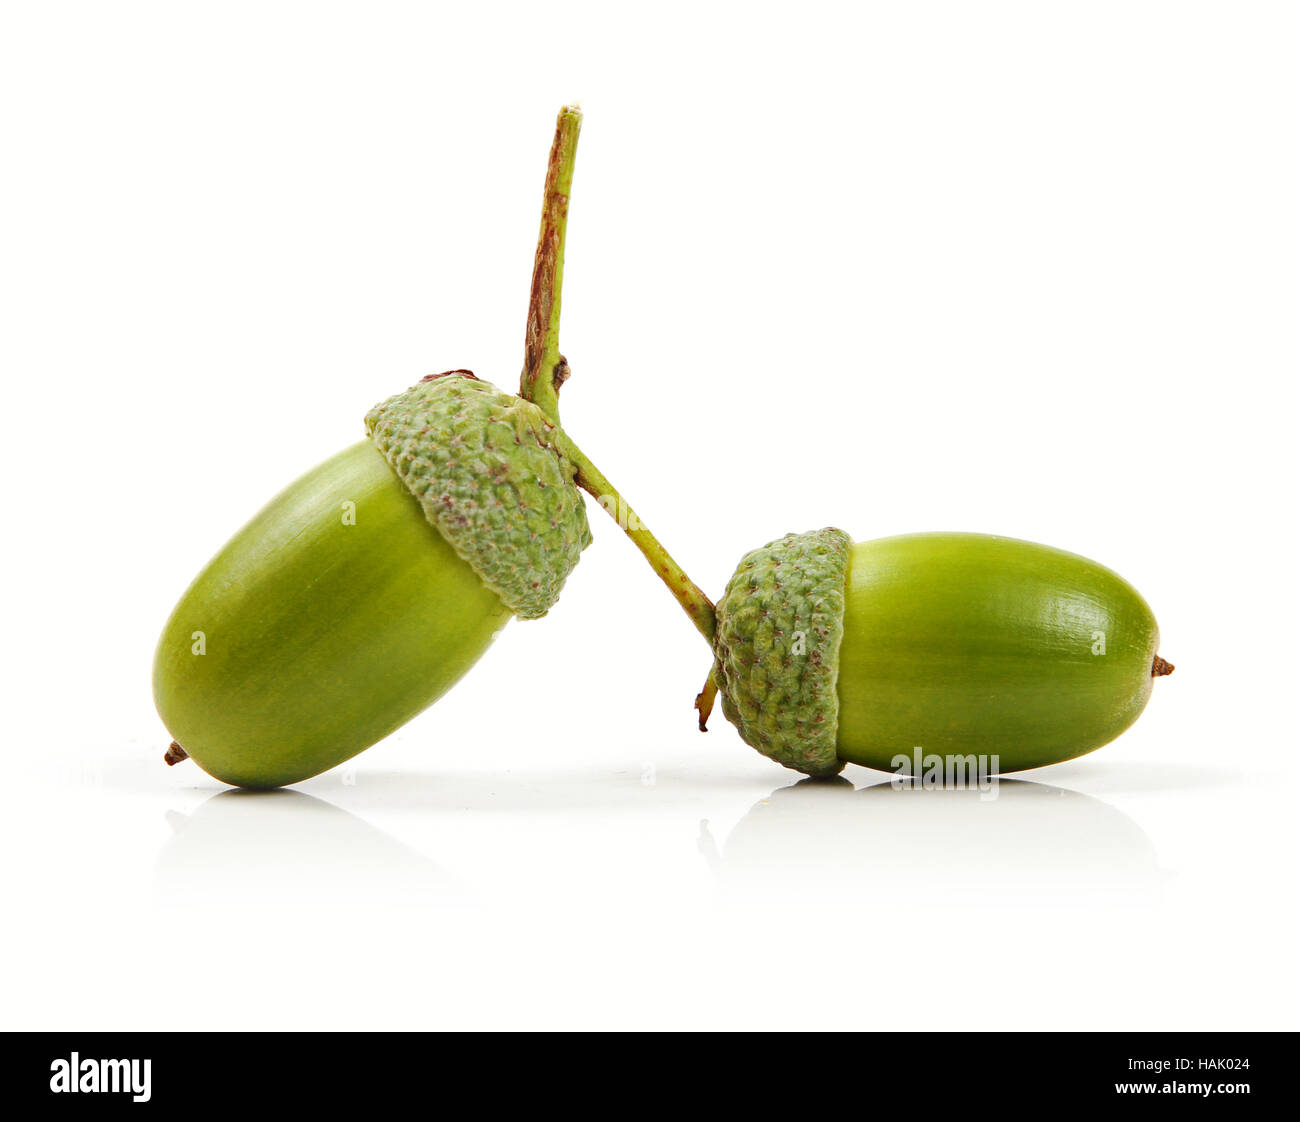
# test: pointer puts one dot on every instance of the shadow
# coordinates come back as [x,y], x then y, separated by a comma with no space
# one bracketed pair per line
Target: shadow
[602,786]
[286,849]
[1030,841]
[1145,777]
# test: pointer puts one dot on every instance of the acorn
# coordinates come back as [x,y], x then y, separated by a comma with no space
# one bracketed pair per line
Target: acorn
[363,591]
[939,645]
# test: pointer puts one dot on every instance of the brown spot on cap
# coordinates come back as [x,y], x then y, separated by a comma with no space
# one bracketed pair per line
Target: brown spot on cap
[446,373]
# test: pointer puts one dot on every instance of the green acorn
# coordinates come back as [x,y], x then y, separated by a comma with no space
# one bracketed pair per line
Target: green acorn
[829,652]
[364,590]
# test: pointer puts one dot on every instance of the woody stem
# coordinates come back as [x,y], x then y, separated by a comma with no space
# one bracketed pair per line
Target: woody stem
[544,367]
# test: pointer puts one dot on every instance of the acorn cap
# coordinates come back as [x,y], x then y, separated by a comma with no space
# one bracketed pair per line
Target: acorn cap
[482,464]
[777,646]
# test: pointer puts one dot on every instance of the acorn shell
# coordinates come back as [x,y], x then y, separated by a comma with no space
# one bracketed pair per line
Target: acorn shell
[319,629]
[968,643]
[362,592]
[954,644]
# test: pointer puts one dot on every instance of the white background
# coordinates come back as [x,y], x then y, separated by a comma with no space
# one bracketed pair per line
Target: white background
[1028,269]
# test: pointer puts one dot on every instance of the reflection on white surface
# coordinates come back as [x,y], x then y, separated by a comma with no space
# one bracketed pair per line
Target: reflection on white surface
[291,849]
[1032,841]
[1021,842]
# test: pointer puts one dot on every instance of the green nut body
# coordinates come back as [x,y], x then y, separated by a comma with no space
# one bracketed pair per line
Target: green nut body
[362,592]
[953,644]
[319,628]
[961,643]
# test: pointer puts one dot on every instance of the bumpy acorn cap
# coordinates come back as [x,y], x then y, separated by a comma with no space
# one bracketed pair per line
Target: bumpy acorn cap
[482,464]
[777,646]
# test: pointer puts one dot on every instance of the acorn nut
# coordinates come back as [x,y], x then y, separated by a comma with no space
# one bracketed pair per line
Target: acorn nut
[829,652]
[362,592]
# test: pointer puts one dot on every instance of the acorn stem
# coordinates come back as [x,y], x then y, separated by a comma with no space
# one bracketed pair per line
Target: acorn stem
[685,591]
[544,367]
[545,370]
[705,698]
